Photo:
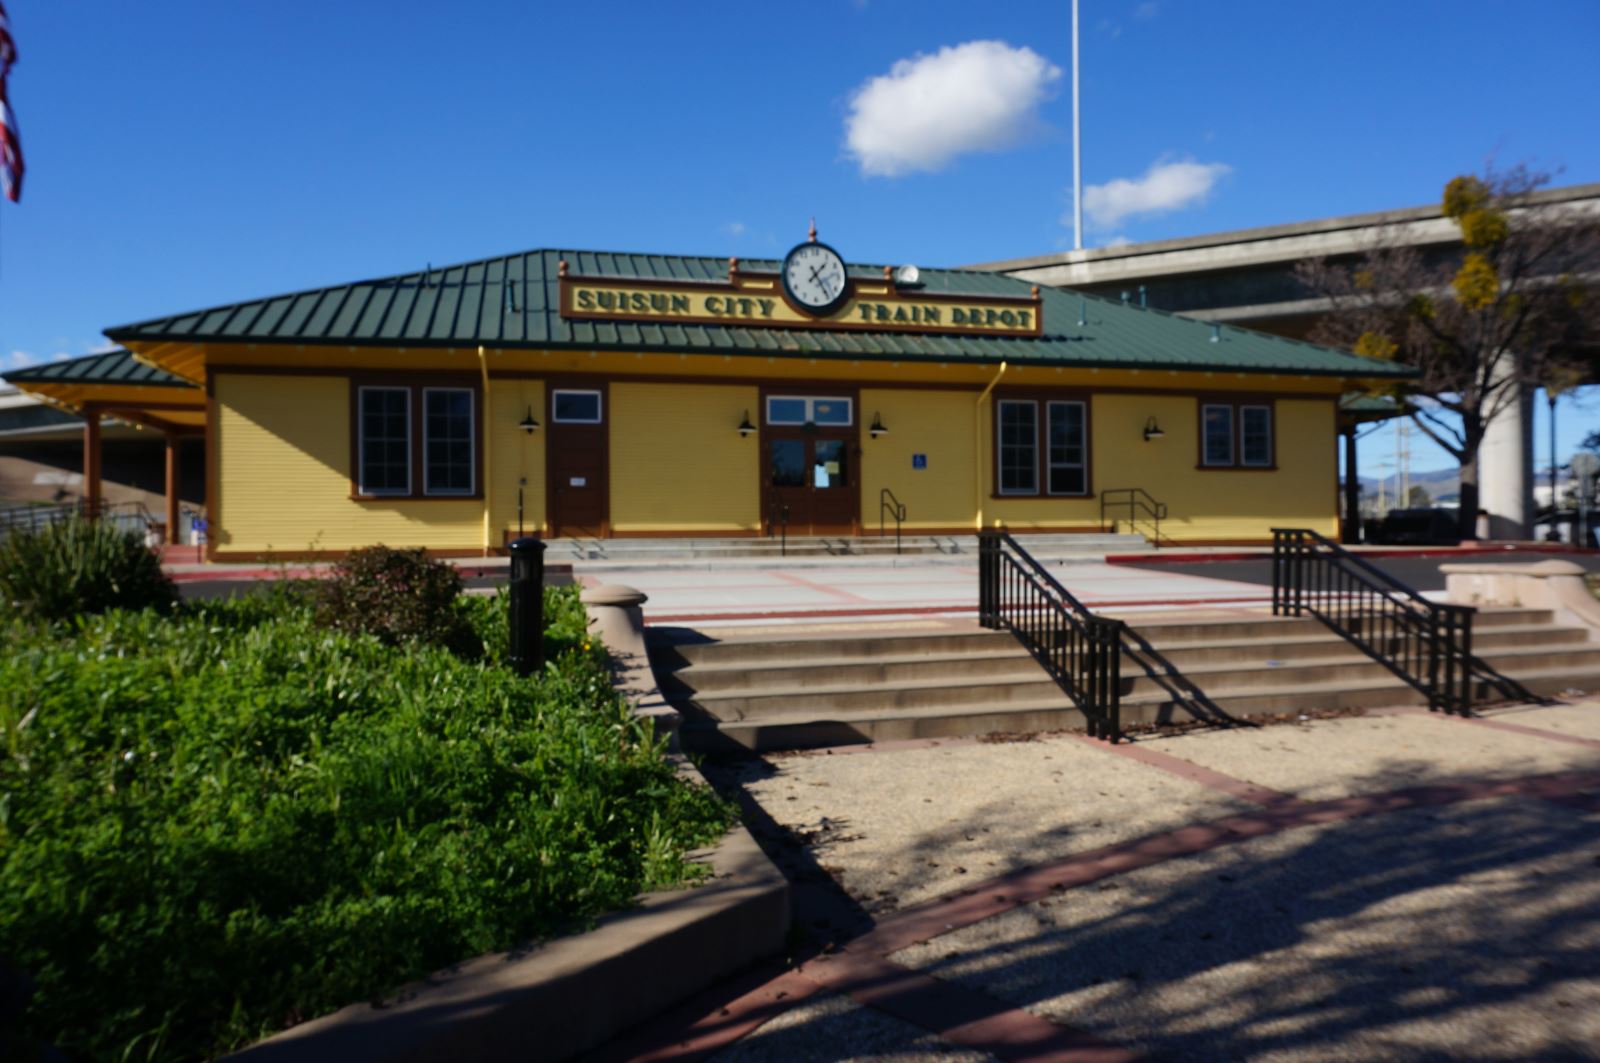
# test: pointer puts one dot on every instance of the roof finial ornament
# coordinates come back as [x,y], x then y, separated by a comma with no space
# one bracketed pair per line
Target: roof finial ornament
[813,233]
[561,268]
[733,266]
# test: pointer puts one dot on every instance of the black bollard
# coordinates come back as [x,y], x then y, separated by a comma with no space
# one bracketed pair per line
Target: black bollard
[527,606]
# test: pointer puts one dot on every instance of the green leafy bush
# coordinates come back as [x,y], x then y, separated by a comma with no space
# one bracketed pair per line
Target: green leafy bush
[80,566]
[222,820]
[398,596]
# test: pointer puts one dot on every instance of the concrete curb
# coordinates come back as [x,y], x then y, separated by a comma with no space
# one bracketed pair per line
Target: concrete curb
[574,993]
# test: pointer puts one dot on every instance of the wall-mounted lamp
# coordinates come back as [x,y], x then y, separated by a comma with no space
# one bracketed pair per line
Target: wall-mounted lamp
[877,428]
[1152,430]
[745,427]
[528,424]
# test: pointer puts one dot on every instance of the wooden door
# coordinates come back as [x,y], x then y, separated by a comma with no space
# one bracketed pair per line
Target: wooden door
[577,462]
[810,477]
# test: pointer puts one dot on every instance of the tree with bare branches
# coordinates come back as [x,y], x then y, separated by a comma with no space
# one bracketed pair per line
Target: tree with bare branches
[1513,307]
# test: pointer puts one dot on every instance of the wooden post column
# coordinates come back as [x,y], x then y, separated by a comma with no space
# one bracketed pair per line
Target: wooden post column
[174,533]
[1351,528]
[91,460]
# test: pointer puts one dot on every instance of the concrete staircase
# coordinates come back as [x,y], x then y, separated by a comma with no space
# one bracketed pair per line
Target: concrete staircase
[806,692]
[774,551]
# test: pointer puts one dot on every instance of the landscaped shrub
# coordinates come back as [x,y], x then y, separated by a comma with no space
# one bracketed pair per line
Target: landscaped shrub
[397,595]
[80,566]
[224,819]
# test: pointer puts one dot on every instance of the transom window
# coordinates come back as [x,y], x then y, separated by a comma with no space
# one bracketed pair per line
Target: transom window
[575,407]
[1060,465]
[810,409]
[399,428]
[1236,435]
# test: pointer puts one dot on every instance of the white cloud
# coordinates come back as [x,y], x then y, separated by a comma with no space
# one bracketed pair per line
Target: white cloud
[1116,242]
[977,96]
[1165,187]
[734,228]
[1146,11]
[104,347]
[23,359]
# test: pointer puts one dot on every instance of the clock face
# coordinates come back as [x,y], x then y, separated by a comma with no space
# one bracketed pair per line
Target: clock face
[813,275]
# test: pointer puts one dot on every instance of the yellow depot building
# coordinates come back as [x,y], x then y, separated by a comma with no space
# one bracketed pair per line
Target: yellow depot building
[573,393]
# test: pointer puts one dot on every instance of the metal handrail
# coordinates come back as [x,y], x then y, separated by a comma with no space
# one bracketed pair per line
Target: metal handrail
[1080,649]
[778,519]
[1136,499]
[897,511]
[1426,643]
[33,518]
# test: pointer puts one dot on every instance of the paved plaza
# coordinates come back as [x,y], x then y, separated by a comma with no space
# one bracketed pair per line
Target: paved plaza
[1392,885]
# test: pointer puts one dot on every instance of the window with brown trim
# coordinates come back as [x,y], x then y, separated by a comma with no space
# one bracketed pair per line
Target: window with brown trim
[1041,447]
[415,441]
[1236,435]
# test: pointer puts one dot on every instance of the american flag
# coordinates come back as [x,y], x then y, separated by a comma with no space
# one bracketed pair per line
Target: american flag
[10,140]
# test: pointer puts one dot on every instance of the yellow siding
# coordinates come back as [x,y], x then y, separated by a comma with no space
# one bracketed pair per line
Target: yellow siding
[677,463]
[935,423]
[283,446]
[517,455]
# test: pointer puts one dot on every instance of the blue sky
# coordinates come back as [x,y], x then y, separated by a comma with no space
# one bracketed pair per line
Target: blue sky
[184,153]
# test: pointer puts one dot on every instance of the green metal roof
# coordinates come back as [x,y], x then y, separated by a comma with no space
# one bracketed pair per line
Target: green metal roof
[512,302]
[1360,408]
[111,367]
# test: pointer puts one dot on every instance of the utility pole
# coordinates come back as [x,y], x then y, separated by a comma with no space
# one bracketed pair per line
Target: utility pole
[1077,143]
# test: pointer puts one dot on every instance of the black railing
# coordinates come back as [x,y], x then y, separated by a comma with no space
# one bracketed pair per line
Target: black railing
[778,523]
[889,505]
[132,516]
[1141,508]
[1081,650]
[1428,644]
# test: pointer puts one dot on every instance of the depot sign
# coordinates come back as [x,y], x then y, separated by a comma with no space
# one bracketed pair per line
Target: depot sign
[757,300]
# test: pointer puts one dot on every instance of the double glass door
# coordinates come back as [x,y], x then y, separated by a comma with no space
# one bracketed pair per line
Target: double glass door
[811,480]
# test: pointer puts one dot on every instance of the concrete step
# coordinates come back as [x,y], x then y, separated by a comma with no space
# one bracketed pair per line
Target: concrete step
[970,692]
[1008,661]
[1164,631]
[785,652]
[1042,546]
[1326,643]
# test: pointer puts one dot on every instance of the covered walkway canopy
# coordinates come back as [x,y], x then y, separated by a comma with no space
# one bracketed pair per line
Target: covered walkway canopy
[115,384]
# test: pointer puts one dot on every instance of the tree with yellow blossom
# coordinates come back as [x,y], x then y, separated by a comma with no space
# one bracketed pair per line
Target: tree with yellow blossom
[1514,304]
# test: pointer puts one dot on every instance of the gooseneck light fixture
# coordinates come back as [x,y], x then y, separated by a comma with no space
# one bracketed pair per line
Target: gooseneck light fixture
[528,424]
[877,428]
[745,427]
[1152,430]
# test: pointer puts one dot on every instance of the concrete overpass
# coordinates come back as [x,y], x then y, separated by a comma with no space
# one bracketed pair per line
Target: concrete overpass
[1247,278]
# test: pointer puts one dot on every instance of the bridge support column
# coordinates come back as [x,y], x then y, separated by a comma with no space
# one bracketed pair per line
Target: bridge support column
[1505,469]
[91,460]
[1350,526]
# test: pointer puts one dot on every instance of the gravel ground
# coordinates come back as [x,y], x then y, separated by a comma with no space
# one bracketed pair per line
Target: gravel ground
[1465,933]
[901,826]
[835,1028]
[1582,719]
[1324,759]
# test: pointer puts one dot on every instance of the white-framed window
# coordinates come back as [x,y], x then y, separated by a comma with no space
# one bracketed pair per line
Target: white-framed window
[383,435]
[834,411]
[572,406]
[1255,435]
[1236,435]
[1017,446]
[1216,434]
[449,441]
[1048,456]
[1068,452]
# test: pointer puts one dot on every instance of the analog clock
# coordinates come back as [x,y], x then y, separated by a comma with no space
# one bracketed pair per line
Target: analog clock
[814,278]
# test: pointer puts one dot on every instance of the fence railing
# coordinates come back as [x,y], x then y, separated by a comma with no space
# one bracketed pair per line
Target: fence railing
[131,516]
[1081,650]
[889,505]
[778,524]
[1426,643]
[1140,508]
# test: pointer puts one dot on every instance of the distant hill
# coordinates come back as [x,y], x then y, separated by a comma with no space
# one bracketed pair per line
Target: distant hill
[1444,485]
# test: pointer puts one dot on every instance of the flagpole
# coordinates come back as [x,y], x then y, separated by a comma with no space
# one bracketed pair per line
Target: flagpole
[1077,143]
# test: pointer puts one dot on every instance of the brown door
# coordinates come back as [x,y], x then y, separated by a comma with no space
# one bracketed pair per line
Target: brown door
[576,463]
[810,477]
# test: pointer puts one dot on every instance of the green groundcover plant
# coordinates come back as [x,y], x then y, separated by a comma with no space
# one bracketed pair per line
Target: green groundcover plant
[224,818]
